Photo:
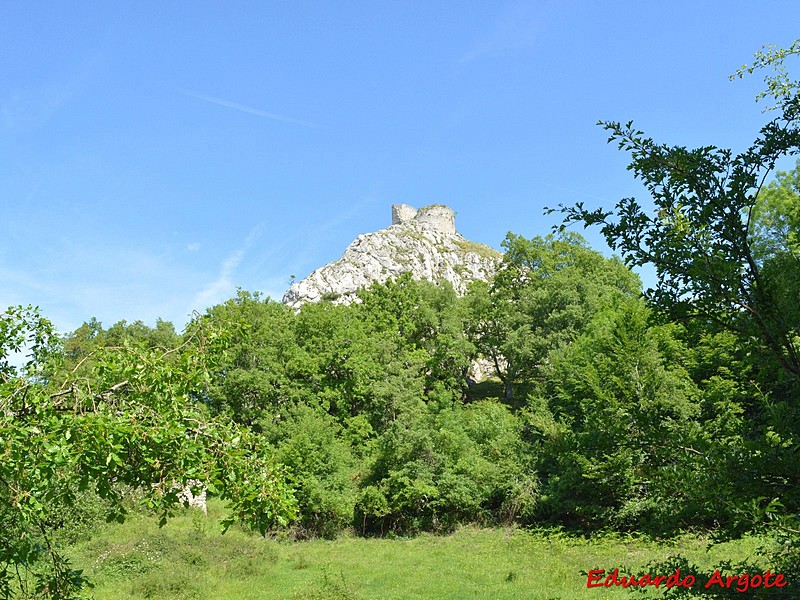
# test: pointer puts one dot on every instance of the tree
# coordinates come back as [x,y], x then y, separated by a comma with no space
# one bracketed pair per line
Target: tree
[129,423]
[545,292]
[780,87]
[323,471]
[698,235]
[79,348]
[723,247]
[435,468]
[428,320]
[259,373]
[615,424]
[775,226]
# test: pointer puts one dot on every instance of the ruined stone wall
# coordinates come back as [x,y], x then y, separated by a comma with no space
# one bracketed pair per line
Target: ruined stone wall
[423,242]
[402,213]
[440,217]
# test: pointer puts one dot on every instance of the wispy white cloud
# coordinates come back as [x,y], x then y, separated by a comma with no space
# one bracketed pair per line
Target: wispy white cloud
[223,286]
[75,280]
[194,246]
[517,28]
[247,109]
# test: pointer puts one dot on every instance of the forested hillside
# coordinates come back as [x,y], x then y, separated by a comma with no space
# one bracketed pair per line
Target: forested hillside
[670,410]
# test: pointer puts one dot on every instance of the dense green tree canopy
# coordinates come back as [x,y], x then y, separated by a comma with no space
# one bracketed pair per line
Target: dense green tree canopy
[660,413]
[700,234]
[723,245]
[130,423]
[775,223]
[545,292]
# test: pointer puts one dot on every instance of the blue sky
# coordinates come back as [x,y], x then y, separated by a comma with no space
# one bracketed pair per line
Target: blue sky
[155,156]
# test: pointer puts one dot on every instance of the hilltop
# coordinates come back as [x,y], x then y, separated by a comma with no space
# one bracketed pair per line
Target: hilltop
[423,242]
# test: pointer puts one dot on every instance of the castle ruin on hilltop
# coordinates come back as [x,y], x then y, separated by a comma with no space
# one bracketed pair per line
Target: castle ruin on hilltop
[423,242]
[438,216]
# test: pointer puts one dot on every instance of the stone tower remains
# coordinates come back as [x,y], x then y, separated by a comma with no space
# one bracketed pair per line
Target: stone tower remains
[402,213]
[422,242]
[438,216]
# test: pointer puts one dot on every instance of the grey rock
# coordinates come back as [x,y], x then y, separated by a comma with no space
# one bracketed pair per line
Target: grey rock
[423,242]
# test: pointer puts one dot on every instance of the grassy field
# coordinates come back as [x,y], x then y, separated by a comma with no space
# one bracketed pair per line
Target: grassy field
[189,558]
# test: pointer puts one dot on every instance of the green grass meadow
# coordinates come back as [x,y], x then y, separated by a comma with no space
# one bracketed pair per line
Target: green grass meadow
[189,558]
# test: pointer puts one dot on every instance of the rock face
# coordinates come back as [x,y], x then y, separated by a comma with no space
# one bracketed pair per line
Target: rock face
[424,242]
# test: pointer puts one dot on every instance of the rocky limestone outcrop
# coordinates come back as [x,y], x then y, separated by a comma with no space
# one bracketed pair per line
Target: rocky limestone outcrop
[423,242]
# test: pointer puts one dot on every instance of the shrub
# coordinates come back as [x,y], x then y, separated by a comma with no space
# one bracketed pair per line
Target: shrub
[434,470]
[321,464]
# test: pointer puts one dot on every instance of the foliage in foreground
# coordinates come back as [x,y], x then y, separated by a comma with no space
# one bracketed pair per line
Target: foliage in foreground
[724,249]
[131,424]
[674,411]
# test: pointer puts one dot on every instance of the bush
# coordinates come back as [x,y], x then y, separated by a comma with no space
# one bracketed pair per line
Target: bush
[321,465]
[435,470]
